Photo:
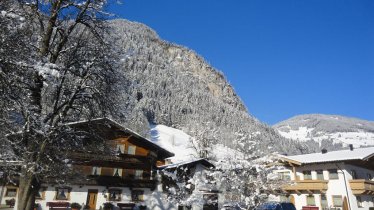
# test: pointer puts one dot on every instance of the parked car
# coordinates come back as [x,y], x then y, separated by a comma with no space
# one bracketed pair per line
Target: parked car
[276,206]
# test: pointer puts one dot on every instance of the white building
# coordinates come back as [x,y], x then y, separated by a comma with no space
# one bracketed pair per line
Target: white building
[339,179]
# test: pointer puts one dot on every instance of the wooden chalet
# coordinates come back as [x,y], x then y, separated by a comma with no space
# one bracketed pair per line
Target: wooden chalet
[121,173]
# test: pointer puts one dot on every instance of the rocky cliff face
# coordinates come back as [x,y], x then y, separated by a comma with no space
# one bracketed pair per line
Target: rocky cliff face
[328,128]
[172,85]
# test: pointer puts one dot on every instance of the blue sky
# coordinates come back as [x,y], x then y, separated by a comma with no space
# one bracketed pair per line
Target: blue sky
[283,58]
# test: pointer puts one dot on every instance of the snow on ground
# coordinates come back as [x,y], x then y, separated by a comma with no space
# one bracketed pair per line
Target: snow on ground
[179,143]
[302,134]
[175,141]
[359,138]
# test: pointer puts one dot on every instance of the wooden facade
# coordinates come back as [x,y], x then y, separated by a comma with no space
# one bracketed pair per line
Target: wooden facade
[121,171]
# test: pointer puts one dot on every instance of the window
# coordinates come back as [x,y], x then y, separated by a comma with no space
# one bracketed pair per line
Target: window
[324,203]
[114,194]
[369,176]
[284,198]
[40,195]
[62,193]
[137,195]
[359,202]
[139,174]
[96,171]
[11,192]
[337,200]
[310,201]
[307,175]
[117,172]
[131,150]
[120,149]
[333,174]
[320,175]
[353,174]
[284,175]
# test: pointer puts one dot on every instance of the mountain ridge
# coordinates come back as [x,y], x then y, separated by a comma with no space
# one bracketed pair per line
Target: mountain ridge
[172,85]
[319,127]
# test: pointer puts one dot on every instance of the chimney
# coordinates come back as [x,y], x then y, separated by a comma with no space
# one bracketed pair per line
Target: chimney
[351,147]
[324,151]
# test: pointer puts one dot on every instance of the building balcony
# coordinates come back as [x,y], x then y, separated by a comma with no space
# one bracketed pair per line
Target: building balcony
[308,186]
[361,186]
[107,181]
[111,181]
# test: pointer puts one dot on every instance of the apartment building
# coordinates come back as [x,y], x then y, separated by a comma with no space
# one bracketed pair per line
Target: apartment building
[330,180]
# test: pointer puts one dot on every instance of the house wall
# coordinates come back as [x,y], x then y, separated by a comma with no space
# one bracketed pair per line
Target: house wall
[3,192]
[338,187]
[78,194]
[124,141]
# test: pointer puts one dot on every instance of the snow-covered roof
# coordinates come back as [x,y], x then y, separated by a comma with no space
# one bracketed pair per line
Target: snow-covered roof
[189,162]
[333,156]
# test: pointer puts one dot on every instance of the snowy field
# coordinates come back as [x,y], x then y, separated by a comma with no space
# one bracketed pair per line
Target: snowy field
[358,139]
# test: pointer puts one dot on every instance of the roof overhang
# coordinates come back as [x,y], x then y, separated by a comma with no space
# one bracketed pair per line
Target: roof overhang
[112,129]
[191,163]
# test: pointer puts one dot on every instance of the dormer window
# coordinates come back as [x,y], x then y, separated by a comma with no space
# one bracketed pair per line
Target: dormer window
[120,149]
[96,171]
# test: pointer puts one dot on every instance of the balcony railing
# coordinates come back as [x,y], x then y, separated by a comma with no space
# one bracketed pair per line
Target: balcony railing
[120,181]
[307,185]
[361,186]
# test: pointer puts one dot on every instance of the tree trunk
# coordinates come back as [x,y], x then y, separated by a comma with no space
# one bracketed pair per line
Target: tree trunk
[36,94]
[46,38]
[28,186]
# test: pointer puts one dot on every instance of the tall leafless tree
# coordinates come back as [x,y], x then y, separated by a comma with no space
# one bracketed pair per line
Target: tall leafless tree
[55,66]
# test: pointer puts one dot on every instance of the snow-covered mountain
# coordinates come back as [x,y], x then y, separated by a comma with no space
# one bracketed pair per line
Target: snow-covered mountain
[172,85]
[323,128]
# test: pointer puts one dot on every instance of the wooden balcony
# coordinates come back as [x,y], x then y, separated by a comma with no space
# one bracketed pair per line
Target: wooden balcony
[121,182]
[108,181]
[362,186]
[114,161]
[308,186]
